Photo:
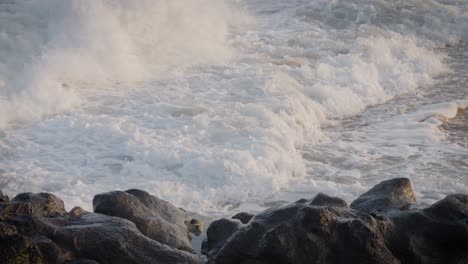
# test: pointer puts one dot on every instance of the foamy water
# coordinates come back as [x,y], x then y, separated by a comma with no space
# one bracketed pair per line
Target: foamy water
[220,105]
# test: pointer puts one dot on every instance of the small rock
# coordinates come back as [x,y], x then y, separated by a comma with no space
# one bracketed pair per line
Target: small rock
[77,212]
[243,217]
[325,200]
[217,234]
[388,195]
[194,226]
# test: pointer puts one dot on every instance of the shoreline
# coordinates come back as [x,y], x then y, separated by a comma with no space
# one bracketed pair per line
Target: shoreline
[383,225]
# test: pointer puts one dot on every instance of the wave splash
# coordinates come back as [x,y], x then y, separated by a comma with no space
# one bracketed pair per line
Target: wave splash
[49,47]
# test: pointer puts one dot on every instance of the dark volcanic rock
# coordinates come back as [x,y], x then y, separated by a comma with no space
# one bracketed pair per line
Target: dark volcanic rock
[34,228]
[4,198]
[115,240]
[301,233]
[436,234]
[325,200]
[15,248]
[217,234]
[40,205]
[84,261]
[325,230]
[394,194]
[243,217]
[154,217]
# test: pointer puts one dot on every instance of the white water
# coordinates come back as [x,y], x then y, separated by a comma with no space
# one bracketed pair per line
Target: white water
[217,104]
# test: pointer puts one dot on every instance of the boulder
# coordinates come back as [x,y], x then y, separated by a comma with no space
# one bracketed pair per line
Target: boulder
[325,230]
[303,233]
[243,217]
[436,234]
[34,228]
[322,199]
[217,234]
[115,240]
[40,205]
[155,218]
[394,194]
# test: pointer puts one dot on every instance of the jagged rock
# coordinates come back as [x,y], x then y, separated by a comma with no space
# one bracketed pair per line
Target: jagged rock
[394,194]
[243,217]
[302,233]
[34,228]
[154,217]
[452,208]
[217,234]
[324,200]
[4,198]
[323,232]
[41,205]
[114,240]
[436,234]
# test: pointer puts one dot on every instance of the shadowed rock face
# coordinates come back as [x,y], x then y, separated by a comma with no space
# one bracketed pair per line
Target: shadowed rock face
[3,198]
[394,194]
[243,217]
[325,230]
[154,217]
[217,234]
[322,199]
[34,228]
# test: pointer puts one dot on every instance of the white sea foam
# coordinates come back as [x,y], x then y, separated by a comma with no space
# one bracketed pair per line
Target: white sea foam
[49,49]
[409,145]
[205,103]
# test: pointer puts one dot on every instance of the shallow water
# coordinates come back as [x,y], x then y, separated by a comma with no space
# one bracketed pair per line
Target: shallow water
[220,106]
[365,149]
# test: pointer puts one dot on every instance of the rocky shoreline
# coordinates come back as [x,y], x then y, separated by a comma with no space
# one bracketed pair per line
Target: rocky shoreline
[381,226]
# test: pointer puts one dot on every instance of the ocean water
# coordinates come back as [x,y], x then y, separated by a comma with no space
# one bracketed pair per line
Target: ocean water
[220,106]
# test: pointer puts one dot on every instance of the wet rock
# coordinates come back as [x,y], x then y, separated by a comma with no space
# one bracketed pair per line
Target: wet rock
[52,252]
[217,234]
[41,204]
[452,208]
[77,212]
[303,233]
[436,234]
[323,230]
[154,217]
[115,240]
[243,217]
[3,198]
[15,248]
[34,228]
[394,194]
[322,199]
